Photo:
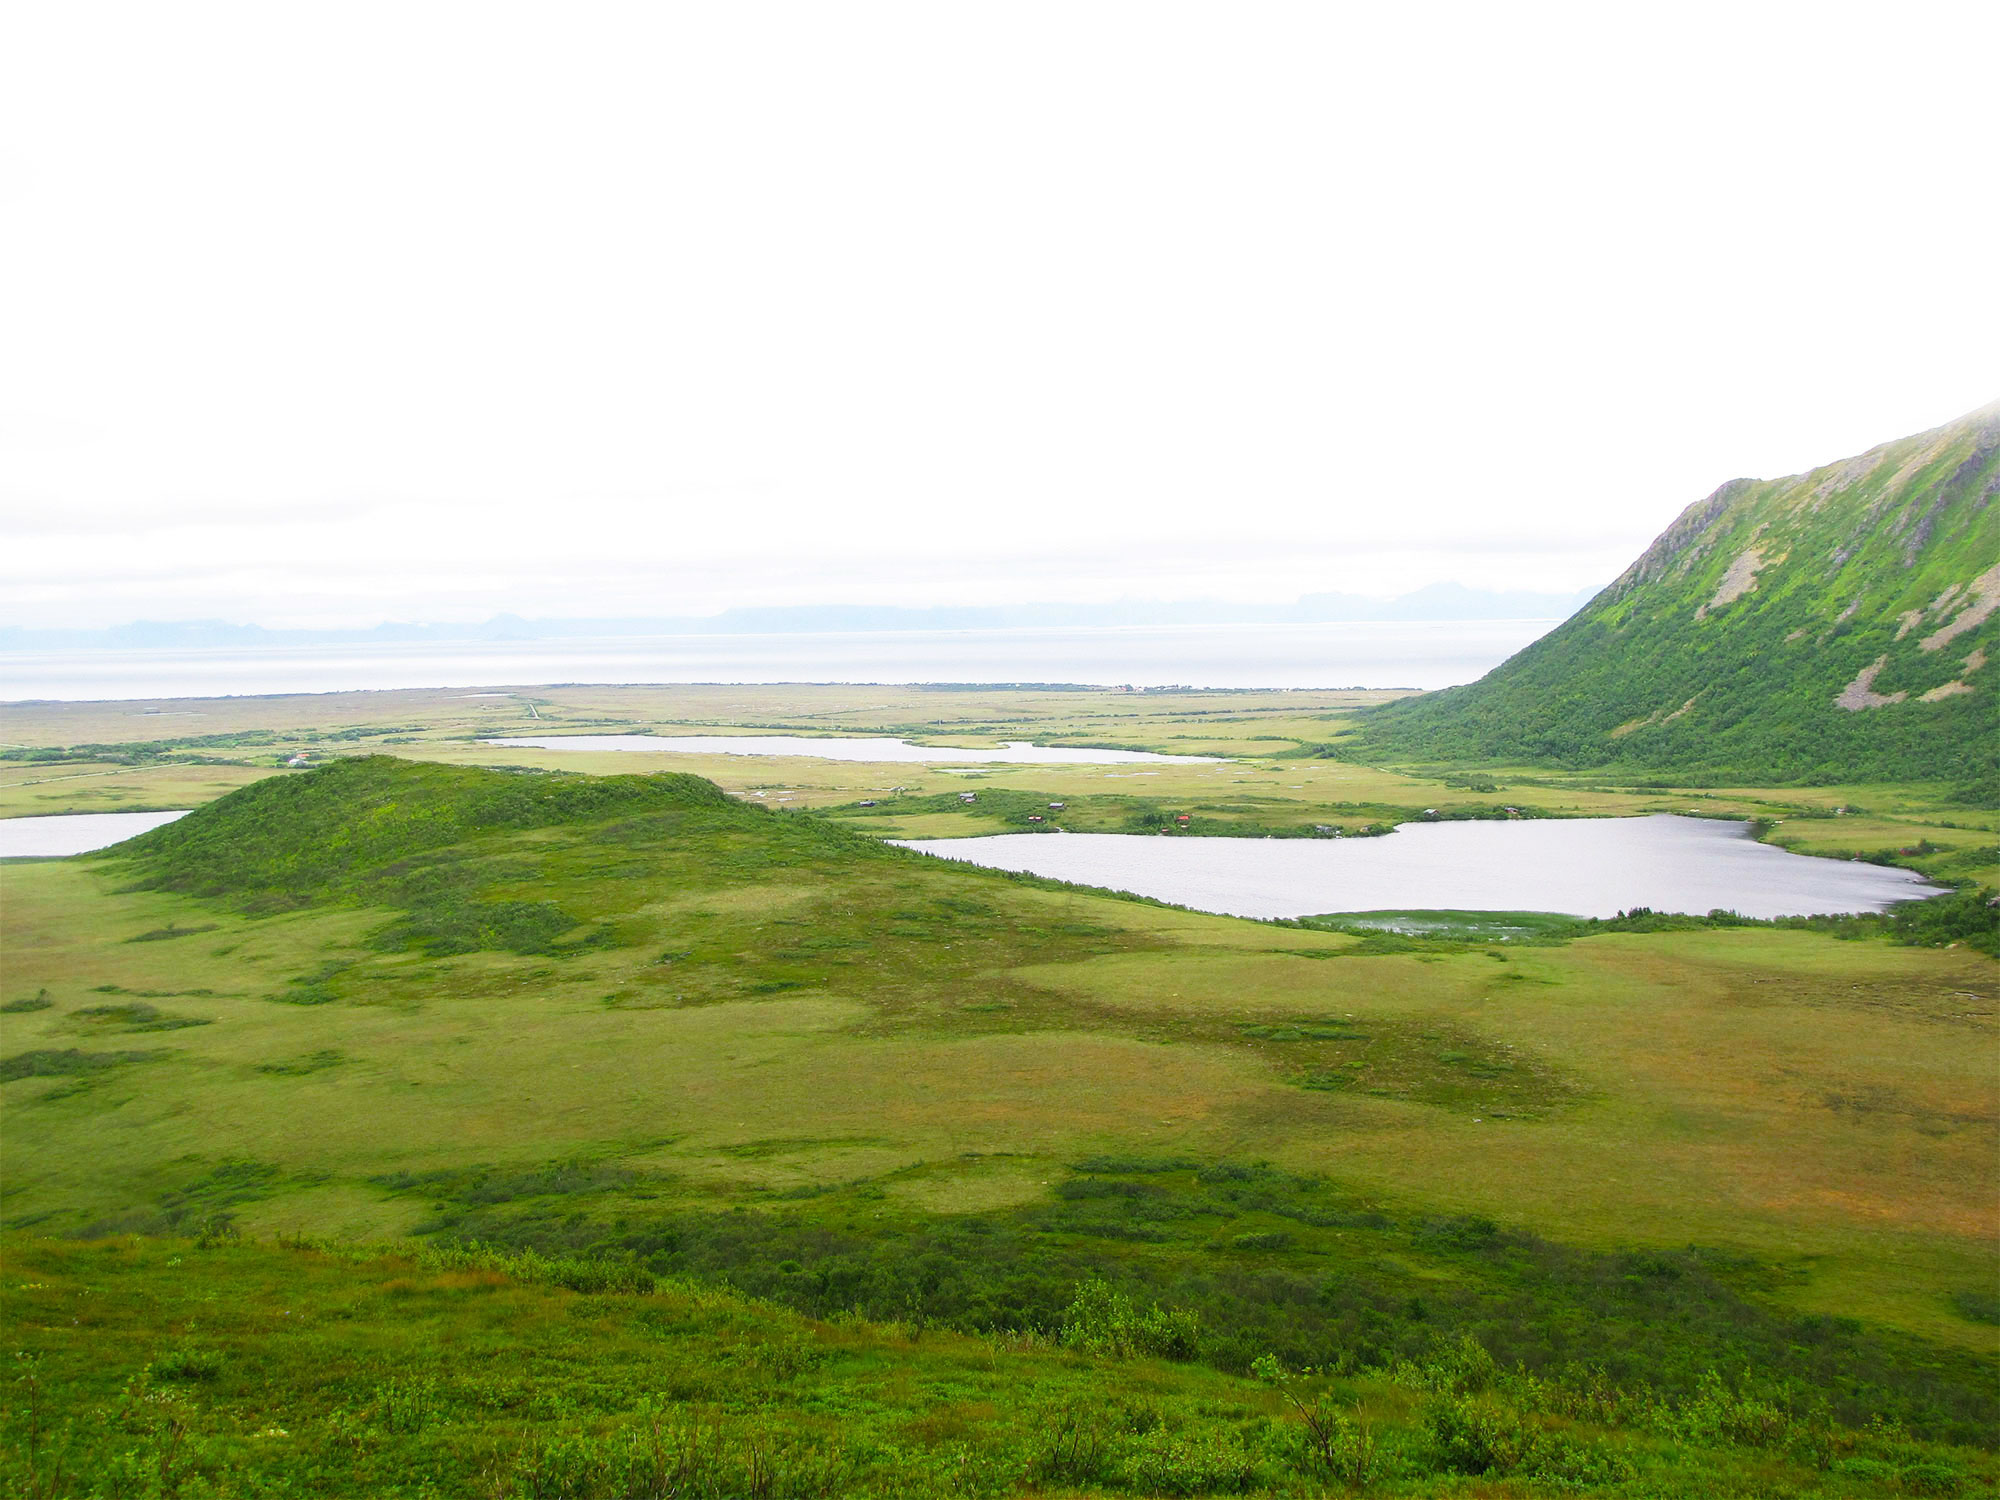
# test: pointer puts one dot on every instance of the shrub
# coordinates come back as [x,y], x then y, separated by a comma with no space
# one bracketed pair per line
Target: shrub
[1332,1444]
[576,1272]
[1977,1306]
[1970,917]
[1931,1476]
[65,1063]
[189,1364]
[407,1405]
[1077,1449]
[1212,1462]
[1475,1437]
[1102,1320]
[1716,1414]
[1450,1369]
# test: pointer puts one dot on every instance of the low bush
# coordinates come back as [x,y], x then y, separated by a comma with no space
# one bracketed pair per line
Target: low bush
[1475,1436]
[1102,1320]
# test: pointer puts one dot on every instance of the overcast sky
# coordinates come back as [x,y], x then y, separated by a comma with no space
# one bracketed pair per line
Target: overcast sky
[329,314]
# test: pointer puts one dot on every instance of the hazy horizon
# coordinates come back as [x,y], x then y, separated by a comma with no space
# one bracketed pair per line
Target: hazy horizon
[1435,603]
[321,319]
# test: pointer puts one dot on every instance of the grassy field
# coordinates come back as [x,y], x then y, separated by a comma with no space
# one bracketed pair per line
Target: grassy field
[97,786]
[748,1047]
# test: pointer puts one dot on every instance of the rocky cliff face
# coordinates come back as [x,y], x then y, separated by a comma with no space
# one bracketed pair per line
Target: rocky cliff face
[1834,625]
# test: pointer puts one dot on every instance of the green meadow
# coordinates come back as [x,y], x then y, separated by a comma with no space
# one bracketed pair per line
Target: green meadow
[611,1135]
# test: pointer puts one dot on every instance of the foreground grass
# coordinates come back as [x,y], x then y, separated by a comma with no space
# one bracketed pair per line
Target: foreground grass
[178,1368]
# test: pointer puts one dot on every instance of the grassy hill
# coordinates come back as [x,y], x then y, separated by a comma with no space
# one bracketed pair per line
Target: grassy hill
[867,1173]
[1841,625]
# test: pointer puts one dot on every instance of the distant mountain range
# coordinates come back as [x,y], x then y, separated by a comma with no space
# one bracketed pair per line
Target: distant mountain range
[1837,625]
[1441,601]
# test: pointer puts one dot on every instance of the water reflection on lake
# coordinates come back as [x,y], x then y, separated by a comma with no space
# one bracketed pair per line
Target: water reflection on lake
[74,833]
[1587,867]
[871,749]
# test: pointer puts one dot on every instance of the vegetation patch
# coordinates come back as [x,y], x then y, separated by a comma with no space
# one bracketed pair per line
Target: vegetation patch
[171,931]
[1248,1260]
[1969,918]
[136,1015]
[1010,809]
[323,1369]
[205,1203]
[299,1067]
[315,988]
[69,1062]
[119,989]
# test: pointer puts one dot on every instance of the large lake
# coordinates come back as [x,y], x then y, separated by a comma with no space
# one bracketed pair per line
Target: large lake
[1378,654]
[1587,867]
[871,749]
[74,833]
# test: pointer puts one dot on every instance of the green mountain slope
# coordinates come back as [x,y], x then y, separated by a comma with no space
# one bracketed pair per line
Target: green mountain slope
[1832,626]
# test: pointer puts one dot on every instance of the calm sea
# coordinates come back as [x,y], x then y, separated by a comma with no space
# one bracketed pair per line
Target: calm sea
[1398,654]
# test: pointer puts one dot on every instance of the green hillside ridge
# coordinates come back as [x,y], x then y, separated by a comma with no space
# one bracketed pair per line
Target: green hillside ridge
[1840,625]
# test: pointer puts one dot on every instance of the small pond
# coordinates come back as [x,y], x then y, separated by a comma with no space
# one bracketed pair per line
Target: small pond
[1586,867]
[873,749]
[74,833]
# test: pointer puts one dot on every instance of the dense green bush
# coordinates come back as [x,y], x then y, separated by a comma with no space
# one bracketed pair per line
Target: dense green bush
[1971,917]
[1103,1320]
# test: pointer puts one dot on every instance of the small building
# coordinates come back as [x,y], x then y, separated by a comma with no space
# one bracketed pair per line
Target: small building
[968,796]
[298,760]
[1057,806]
[867,801]
[1430,812]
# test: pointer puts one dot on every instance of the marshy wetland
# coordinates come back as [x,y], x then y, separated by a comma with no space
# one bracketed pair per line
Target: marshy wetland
[712,1080]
